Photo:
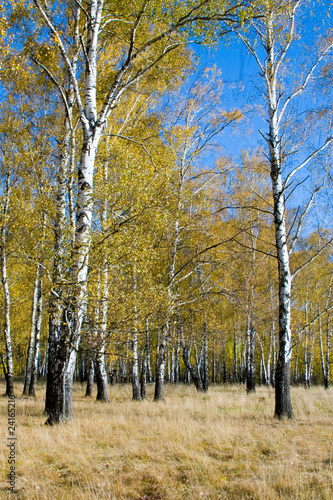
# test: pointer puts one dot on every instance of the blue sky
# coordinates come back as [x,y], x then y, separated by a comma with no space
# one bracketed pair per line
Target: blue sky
[242,89]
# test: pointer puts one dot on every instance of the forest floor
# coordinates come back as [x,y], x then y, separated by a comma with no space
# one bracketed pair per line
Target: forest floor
[221,445]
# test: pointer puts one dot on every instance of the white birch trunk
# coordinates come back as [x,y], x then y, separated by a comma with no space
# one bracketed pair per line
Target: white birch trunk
[8,341]
[160,364]
[84,208]
[31,346]
[9,370]
[101,373]
[36,323]
[147,349]
[135,343]
[58,315]
[250,338]
[283,407]
[328,353]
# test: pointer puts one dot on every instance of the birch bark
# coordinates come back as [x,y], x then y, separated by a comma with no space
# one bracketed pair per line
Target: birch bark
[39,316]
[58,305]
[101,373]
[136,390]
[28,367]
[64,343]
[272,35]
[160,364]
[325,359]
[9,370]
[8,341]
[33,348]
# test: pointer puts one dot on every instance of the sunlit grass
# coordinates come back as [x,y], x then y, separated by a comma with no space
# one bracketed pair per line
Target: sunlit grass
[221,445]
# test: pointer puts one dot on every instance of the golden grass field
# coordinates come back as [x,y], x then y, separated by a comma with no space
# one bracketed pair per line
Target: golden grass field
[221,445]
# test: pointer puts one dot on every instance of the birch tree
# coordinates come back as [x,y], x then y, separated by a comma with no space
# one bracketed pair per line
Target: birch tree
[9,367]
[138,37]
[269,41]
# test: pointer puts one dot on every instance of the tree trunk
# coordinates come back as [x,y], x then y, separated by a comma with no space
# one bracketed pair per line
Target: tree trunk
[101,378]
[328,353]
[235,371]
[160,364]
[172,367]
[101,372]
[8,342]
[143,379]
[264,378]
[205,382]
[193,372]
[91,375]
[135,367]
[177,363]
[214,367]
[269,357]
[31,346]
[64,336]
[296,371]
[242,356]
[136,391]
[149,372]
[82,367]
[250,366]
[38,325]
[283,406]
[59,306]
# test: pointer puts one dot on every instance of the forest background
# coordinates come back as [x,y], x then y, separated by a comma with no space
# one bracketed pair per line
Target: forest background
[149,230]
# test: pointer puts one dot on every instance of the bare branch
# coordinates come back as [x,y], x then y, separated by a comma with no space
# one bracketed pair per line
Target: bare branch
[302,266]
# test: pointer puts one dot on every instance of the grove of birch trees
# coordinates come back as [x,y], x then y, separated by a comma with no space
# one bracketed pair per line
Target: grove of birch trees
[137,243]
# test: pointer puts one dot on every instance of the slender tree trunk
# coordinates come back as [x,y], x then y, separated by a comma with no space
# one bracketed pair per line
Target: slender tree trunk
[100,368]
[205,382]
[224,375]
[31,346]
[160,364]
[135,367]
[274,363]
[149,371]
[38,325]
[296,371]
[283,406]
[59,307]
[135,344]
[195,375]
[263,375]
[101,377]
[235,372]
[91,375]
[173,366]
[8,341]
[214,366]
[101,372]
[269,357]
[242,356]
[143,379]
[177,363]
[82,368]
[311,358]
[250,367]
[328,352]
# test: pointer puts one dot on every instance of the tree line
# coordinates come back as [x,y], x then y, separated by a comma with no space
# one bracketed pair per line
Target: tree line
[139,249]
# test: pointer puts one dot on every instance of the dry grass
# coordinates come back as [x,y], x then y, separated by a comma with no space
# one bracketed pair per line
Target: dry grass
[222,445]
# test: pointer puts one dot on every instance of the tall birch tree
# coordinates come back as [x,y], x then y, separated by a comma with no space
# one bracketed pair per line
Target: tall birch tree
[138,37]
[269,40]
